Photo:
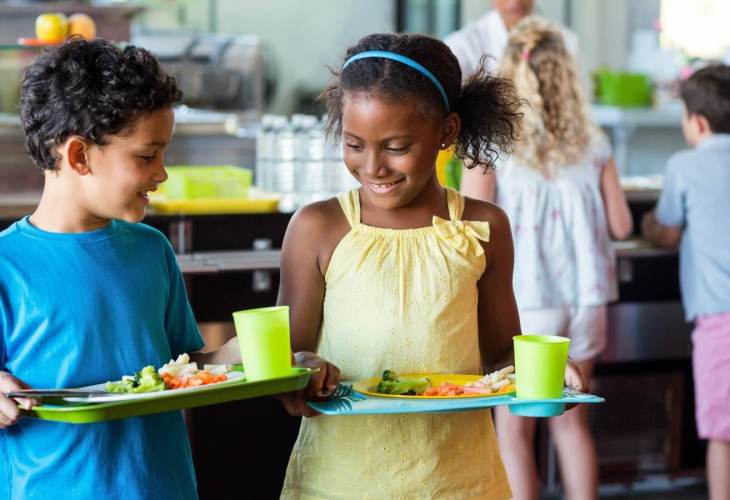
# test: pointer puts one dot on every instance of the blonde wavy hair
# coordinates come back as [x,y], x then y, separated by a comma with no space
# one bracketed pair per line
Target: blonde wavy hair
[556,129]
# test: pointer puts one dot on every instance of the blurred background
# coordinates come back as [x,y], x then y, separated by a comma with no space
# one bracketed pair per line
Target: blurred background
[247,58]
[251,72]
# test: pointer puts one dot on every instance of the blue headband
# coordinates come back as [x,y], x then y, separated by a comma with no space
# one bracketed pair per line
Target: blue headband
[405,60]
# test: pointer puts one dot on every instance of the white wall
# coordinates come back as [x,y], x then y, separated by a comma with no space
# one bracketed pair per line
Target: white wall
[305,36]
[603,29]
[318,31]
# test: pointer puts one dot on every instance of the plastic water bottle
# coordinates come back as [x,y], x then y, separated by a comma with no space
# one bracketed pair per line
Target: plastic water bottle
[338,178]
[310,178]
[284,164]
[264,151]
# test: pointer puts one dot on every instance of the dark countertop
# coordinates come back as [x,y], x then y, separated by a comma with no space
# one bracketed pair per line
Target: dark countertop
[14,206]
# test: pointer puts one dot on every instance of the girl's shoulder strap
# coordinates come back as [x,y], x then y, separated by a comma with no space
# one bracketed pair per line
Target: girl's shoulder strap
[455,201]
[350,203]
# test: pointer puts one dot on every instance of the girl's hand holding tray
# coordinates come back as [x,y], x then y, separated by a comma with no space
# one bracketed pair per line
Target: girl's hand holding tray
[429,393]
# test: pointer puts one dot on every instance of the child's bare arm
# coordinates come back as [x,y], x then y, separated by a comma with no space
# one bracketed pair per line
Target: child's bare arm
[499,320]
[658,233]
[301,285]
[620,223]
[9,411]
[227,354]
[310,239]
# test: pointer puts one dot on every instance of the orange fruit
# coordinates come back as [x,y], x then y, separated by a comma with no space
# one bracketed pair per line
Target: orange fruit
[82,24]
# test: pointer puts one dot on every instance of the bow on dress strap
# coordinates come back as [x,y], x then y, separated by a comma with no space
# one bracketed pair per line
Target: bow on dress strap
[462,235]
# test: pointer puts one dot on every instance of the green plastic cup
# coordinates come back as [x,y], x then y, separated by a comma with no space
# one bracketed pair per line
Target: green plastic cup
[263,336]
[540,362]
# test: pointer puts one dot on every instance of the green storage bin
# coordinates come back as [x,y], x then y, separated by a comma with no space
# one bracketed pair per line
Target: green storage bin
[195,182]
[618,88]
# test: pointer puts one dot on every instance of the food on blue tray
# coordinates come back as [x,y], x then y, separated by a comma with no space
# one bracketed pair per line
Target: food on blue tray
[391,383]
[495,381]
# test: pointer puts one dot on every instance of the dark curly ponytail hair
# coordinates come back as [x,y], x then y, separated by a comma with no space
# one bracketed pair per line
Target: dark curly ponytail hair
[91,89]
[487,105]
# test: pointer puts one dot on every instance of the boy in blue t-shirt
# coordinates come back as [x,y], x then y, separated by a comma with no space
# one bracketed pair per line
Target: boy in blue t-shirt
[694,209]
[86,293]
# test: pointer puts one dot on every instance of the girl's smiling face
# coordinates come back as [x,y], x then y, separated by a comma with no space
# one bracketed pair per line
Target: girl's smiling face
[391,147]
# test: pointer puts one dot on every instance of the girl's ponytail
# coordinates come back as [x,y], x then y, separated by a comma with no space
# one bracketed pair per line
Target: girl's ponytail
[490,114]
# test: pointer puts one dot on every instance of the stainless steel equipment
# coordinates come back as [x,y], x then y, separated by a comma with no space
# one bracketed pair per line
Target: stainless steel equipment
[201,137]
[221,72]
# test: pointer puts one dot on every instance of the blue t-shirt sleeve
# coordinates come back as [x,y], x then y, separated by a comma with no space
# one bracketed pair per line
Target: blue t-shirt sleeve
[182,329]
[671,208]
[3,325]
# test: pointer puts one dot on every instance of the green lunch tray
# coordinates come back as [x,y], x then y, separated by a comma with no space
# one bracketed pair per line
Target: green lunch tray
[85,413]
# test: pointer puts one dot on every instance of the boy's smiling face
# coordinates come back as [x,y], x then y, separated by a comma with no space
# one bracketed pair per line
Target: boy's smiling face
[114,179]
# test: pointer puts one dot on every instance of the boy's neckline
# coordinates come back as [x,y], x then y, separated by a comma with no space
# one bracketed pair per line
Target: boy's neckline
[26,227]
[715,139]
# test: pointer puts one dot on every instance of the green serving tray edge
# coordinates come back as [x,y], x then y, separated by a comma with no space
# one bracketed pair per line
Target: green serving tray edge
[98,412]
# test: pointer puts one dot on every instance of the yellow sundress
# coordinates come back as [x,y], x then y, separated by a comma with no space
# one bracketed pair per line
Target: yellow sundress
[406,300]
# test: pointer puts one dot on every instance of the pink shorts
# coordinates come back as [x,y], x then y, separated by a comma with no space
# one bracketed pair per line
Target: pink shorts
[711,366]
[585,326]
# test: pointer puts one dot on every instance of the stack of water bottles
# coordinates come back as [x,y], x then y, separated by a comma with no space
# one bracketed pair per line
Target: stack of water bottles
[294,159]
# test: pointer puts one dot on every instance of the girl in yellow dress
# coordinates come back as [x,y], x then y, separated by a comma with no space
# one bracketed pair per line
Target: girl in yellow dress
[403,274]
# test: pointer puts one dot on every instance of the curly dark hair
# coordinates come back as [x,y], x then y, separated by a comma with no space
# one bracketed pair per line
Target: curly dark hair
[707,93]
[487,105]
[92,89]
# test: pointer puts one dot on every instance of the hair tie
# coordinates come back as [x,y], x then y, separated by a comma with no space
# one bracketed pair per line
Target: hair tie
[384,54]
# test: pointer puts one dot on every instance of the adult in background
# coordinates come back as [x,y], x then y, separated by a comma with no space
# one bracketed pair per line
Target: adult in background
[488,35]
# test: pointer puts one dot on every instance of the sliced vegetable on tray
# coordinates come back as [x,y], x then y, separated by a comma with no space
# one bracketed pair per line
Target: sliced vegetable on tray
[175,374]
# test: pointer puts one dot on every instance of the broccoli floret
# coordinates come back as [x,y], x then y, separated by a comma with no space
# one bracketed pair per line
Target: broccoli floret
[391,383]
[122,386]
[145,380]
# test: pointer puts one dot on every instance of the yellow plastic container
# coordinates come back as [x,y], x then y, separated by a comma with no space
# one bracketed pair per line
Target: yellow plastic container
[257,202]
[196,190]
[441,161]
[195,182]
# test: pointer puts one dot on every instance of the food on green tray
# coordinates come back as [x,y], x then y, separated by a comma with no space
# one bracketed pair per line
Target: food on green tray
[201,377]
[145,380]
[391,383]
[175,374]
[180,367]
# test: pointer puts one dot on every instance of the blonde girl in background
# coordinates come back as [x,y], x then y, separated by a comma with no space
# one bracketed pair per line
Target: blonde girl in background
[561,192]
